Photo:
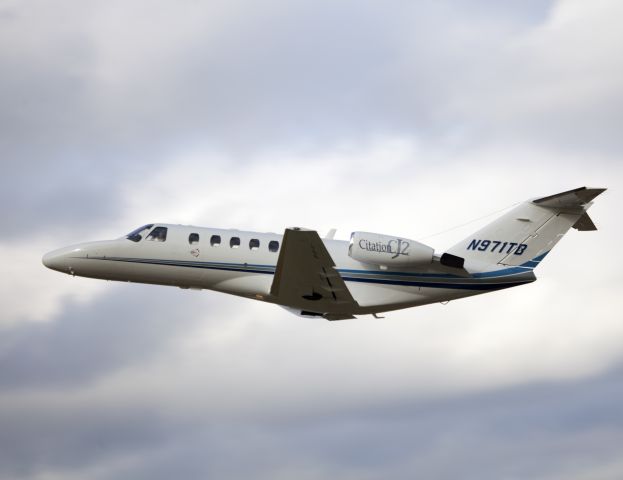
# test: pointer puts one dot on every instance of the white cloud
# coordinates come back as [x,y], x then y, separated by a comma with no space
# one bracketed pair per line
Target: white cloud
[29,291]
[555,84]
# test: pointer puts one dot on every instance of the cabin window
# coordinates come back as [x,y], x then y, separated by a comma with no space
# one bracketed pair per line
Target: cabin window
[254,244]
[273,245]
[234,242]
[158,234]
[215,240]
[137,235]
[193,238]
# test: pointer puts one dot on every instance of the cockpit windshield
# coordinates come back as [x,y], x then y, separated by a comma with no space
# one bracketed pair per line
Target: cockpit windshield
[138,234]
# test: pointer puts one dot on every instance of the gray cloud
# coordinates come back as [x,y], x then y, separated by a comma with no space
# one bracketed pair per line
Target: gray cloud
[126,325]
[549,430]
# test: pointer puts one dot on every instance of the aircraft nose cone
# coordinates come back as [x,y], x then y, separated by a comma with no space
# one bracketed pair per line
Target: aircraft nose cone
[47,259]
[59,260]
[53,260]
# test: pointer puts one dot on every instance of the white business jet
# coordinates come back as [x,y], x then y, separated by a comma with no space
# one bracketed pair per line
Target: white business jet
[335,279]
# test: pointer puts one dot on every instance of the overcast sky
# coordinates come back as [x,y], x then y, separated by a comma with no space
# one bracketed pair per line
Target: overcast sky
[406,118]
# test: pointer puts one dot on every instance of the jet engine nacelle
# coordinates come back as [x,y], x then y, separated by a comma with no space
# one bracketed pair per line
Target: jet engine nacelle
[385,250]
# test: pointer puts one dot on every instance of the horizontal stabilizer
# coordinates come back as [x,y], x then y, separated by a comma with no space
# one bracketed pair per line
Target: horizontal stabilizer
[572,198]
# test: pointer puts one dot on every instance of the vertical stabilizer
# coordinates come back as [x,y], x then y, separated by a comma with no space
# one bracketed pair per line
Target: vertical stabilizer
[524,235]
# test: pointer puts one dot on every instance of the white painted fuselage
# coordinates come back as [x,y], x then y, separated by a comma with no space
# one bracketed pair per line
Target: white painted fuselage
[248,272]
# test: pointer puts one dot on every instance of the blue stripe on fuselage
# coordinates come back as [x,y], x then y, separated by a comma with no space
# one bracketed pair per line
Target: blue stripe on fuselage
[452,281]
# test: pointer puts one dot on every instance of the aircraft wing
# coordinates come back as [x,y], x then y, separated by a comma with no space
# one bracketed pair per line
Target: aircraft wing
[305,277]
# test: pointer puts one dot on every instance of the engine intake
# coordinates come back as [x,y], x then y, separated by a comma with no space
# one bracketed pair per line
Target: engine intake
[385,250]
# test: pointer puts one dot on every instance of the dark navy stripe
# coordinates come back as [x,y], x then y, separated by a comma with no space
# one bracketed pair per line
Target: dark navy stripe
[175,263]
[507,272]
[260,268]
[399,274]
[233,267]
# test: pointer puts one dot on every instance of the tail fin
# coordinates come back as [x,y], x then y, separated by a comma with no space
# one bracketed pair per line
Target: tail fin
[527,233]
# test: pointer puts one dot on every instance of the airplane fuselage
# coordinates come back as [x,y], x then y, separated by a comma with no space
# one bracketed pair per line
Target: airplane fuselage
[243,263]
